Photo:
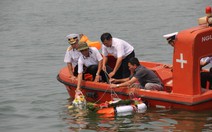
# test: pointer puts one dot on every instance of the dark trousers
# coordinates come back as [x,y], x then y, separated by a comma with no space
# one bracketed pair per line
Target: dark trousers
[93,69]
[206,76]
[123,71]
[76,70]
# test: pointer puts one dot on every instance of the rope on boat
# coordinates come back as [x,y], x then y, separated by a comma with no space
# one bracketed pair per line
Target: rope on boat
[113,94]
[132,94]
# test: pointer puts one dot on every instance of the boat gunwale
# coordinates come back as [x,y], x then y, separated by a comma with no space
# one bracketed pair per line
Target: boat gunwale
[141,96]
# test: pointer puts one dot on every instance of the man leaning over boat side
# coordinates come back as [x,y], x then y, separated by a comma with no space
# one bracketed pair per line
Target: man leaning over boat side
[72,54]
[121,50]
[147,78]
[92,60]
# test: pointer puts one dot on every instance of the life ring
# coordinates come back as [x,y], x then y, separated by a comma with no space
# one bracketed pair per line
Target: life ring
[96,44]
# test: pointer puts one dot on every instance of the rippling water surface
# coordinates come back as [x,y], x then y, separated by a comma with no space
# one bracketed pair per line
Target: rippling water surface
[33,44]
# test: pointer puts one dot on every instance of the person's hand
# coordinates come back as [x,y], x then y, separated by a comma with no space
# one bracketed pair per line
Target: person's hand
[78,91]
[112,80]
[72,77]
[111,74]
[167,66]
[104,68]
[113,86]
[97,78]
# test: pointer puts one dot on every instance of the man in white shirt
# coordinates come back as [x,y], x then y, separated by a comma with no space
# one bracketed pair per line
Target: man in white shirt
[72,54]
[121,50]
[205,61]
[206,76]
[92,60]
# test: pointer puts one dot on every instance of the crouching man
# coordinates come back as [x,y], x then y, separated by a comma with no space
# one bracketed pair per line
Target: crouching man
[147,78]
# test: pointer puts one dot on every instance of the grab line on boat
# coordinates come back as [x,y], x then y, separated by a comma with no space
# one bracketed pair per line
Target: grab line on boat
[141,96]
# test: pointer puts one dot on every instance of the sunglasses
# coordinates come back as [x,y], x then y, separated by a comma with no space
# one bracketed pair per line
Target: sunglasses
[72,38]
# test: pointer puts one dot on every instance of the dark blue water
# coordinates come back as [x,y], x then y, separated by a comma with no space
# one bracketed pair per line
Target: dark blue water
[32,48]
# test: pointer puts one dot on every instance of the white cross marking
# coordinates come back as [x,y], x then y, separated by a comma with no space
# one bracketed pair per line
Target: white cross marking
[181,61]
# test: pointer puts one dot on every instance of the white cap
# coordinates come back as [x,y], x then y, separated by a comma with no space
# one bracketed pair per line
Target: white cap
[167,36]
[72,36]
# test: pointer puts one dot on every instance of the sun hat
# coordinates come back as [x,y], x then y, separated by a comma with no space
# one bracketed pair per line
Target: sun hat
[82,46]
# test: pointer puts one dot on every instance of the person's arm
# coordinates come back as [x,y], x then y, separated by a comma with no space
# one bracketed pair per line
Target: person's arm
[80,73]
[204,62]
[79,81]
[70,68]
[113,80]
[118,64]
[98,71]
[127,83]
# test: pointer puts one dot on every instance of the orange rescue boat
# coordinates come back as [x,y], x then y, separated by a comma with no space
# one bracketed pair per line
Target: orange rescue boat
[182,85]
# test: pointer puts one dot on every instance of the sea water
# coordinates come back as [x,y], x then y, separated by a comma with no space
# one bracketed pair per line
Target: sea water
[32,49]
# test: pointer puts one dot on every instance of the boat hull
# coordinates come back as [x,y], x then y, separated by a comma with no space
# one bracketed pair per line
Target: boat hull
[182,81]
[101,92]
